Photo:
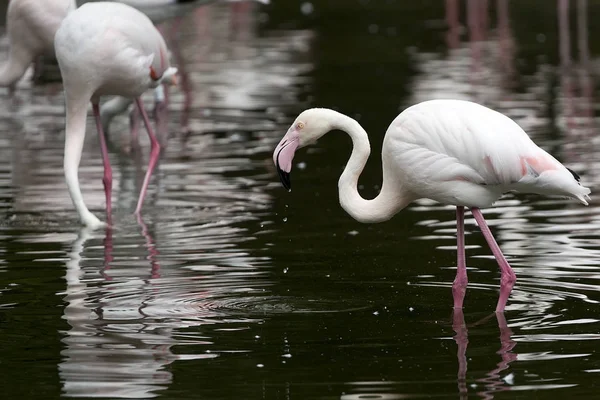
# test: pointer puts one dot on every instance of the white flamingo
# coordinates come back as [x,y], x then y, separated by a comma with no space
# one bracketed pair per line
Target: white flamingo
[451,151]
[31,25]
[106,48]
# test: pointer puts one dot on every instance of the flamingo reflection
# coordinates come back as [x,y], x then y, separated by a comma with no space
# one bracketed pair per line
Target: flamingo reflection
[495,380]
[575,105]
[481,68]
[115,362]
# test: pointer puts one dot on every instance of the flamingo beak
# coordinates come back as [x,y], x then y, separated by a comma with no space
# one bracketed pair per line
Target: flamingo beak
[283,156]
[175,80]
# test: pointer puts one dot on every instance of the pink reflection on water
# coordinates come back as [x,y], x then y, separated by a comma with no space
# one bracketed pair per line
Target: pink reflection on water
[496,380]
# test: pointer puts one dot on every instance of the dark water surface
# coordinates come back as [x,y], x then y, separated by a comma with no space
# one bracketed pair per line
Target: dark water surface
[232,288]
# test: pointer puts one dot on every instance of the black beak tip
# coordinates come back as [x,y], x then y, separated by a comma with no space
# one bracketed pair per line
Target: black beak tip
[284,177]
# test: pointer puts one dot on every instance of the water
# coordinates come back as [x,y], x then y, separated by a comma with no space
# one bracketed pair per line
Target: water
[230,287]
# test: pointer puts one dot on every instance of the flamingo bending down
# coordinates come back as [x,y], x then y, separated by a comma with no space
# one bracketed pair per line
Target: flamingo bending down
[106,48]
[451,151]
[31,25]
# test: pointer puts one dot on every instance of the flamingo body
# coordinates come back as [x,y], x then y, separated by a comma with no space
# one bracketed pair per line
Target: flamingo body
[451,151]
[461,153]
[106,48]
[31,25]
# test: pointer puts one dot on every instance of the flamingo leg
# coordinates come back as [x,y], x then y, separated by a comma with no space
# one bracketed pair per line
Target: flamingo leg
[459,286]
[107,178]
[154,153]
[508,277]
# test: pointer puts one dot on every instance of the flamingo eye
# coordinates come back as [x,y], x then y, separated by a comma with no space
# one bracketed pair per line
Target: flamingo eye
[300,125]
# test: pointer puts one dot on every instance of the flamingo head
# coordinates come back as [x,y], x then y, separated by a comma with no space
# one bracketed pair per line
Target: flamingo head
[170,77]
[306,129]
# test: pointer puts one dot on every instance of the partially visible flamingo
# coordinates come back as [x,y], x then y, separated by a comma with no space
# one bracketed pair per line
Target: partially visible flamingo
[452,151]
[31,25]
[106,48]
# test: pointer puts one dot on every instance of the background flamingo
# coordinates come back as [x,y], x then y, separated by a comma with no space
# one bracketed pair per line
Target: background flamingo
[106,48]
[451,151]
[31,25]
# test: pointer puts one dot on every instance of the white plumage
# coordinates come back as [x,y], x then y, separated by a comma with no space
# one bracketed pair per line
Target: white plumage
[461,153]
[31,25]
[451,151]
[106,48]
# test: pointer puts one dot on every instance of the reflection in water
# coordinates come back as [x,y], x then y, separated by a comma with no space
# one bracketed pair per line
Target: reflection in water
[497,380]
[209,297]
[122,359]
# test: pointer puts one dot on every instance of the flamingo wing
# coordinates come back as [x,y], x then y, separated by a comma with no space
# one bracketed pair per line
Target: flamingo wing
[459,152]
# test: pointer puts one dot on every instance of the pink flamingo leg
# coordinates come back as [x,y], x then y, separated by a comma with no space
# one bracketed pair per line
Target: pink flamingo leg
[508,277]
[459,286]
[154,153]
[107,179]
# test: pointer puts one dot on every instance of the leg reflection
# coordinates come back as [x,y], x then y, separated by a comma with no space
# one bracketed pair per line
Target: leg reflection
[493,381]
[112,349]
[150,245]
[462,340]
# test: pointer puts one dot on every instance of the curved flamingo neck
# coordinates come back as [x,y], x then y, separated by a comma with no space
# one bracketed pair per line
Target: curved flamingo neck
[74,137]
[390,200]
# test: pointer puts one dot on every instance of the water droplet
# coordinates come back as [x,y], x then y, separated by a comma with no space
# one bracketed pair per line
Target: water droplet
[286,355]
[260,365]
[353,233]
[411,309]
[257,337]
[262,225]
[285,270]
[301,165]
[510,379]
[376,313]
[284,219]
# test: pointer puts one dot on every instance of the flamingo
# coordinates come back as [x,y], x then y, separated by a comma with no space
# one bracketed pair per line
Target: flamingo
[452,151]
[106,48]
[31,25]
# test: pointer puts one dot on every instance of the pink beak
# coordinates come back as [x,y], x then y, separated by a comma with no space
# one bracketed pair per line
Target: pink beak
[283,156]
